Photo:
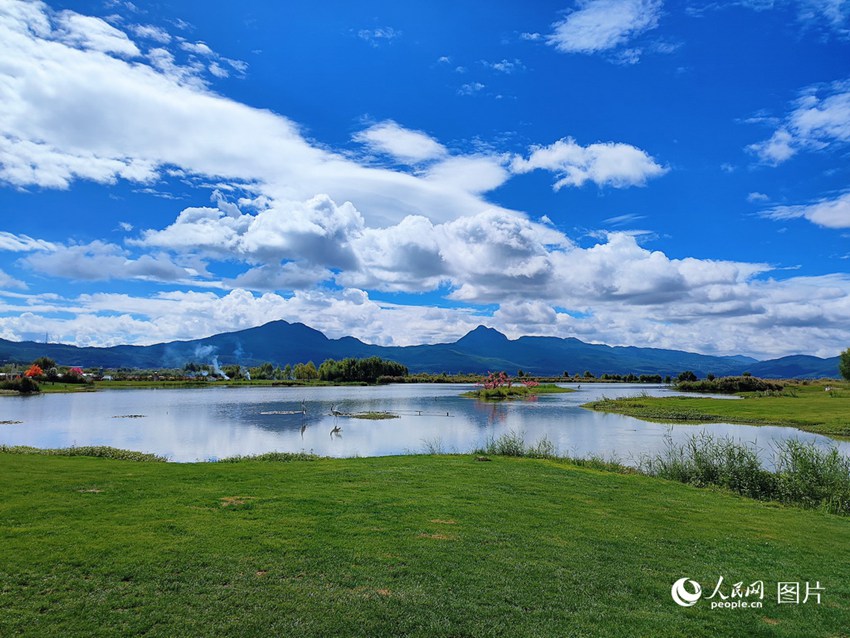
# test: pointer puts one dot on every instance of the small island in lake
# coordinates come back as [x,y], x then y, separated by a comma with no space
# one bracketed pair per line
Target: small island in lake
[498,386]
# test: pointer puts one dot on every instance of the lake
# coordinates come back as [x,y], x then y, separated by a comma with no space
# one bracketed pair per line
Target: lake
[212,423]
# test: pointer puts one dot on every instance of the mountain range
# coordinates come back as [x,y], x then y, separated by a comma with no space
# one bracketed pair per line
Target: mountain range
[479,351]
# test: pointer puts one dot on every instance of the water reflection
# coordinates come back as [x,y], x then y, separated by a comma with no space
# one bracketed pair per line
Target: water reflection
[210,423]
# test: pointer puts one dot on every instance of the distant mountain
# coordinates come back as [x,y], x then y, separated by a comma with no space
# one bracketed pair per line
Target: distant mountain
[798,366]
[478,351]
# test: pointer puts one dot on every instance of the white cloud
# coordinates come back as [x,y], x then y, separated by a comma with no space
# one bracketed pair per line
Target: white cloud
[7,281]
[604,163]
[759,317]
[757,197]
[474,173]
[218,71]
[405,257]
[835,13]
[600,25]
[239,65]
[88,32]
[378,35]
[832,14]
[621,220]
[829,213]
[289,276]
[99,261]
[151,32]
[198,48]
[819,119]
[470,88]
[505,66]
[23,243]
[26,162]
[316,231]
[405,145]
[69,114]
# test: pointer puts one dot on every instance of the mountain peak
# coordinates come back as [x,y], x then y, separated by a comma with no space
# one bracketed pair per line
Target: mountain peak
[482,335]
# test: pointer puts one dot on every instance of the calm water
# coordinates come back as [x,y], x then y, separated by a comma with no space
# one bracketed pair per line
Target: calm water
[210,423]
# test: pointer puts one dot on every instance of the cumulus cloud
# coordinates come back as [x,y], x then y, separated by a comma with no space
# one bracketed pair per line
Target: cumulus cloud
[404,145]
[819,119]
[603,163]
[829,213]
[316,231]
[600,25]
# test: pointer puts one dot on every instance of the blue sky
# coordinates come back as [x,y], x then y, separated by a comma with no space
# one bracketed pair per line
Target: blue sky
[630,172]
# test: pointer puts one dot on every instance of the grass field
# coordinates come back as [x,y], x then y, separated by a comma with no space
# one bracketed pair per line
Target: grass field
[396,546]
[808,407]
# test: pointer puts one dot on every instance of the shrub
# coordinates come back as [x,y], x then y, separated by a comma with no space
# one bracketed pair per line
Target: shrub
[513,444]
[804,474]
[729,385]
[24,385]
[813,477]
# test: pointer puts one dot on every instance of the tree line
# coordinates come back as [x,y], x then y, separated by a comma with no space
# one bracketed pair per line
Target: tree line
[368,370]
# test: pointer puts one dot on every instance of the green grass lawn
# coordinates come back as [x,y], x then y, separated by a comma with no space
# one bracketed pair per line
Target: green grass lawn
[397,546]
[808,407]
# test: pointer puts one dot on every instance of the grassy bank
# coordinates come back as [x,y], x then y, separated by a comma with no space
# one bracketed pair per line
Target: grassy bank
[399,546]
[808,407]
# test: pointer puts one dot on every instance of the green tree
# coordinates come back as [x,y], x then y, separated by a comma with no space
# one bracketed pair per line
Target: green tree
[232,371]
[306,372]
[45,363]
[844,364]
[367,370]
[263,371]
